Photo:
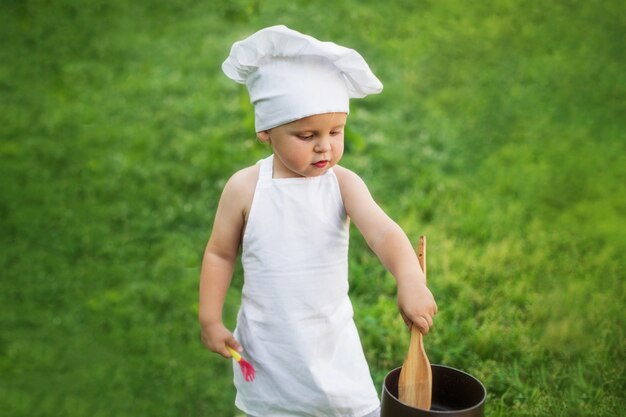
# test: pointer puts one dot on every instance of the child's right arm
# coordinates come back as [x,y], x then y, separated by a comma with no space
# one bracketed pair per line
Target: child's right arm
[219,259]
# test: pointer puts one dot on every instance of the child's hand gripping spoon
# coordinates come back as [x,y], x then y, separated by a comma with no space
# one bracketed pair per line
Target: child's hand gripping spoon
[415,383]
[246,367]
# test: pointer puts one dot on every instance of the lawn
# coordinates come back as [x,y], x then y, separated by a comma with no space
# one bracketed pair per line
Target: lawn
[500,134]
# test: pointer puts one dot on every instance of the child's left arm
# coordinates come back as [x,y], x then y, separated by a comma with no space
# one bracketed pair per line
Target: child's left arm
[392,246]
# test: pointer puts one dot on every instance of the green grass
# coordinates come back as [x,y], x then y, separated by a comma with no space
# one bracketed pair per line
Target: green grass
[500,135]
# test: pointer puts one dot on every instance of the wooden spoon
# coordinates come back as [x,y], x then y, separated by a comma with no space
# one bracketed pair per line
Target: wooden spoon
[415,383]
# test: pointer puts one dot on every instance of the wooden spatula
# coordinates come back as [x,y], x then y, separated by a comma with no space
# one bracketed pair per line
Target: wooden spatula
[415,383]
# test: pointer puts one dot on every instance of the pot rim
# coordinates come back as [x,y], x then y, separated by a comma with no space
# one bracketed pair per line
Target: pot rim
[479,404]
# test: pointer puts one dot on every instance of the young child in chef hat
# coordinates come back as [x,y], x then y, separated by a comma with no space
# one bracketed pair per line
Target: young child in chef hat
[290,213]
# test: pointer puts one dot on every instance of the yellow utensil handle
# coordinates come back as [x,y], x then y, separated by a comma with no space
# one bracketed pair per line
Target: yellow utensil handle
[233,352]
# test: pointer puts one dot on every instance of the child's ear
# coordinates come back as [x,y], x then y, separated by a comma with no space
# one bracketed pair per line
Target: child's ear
[263,135]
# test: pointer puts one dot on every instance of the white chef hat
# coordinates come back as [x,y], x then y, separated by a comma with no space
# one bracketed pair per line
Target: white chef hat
[290,75]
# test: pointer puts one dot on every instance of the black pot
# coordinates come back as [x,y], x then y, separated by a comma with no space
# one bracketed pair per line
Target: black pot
[455,394]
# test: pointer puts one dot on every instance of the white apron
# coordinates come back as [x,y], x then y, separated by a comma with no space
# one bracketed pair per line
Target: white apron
[296,320]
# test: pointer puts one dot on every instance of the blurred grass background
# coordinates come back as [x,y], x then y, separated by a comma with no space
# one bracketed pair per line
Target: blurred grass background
[500,135]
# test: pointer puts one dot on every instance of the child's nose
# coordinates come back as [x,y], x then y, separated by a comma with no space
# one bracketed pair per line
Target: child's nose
[322,145]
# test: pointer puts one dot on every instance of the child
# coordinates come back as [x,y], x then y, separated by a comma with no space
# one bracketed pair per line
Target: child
[290,213]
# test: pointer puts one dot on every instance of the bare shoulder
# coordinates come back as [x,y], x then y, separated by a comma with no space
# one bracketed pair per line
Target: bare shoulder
[244,179]
[366,214]
[348,180]
[240,186]
[232,212]
[353,189]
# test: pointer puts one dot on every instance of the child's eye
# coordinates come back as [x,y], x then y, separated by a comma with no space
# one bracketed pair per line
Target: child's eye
[305,137]
[335,133]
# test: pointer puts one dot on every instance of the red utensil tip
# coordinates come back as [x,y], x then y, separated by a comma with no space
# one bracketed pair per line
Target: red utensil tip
[246,367]
[247,370]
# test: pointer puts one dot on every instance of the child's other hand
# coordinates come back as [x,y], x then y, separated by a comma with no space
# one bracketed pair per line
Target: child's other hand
[216,337]
[417,305]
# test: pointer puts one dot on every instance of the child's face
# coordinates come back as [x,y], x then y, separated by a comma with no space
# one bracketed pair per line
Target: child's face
[307,147]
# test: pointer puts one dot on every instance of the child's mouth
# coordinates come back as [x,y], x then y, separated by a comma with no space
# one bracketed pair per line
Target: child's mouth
[321,164]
